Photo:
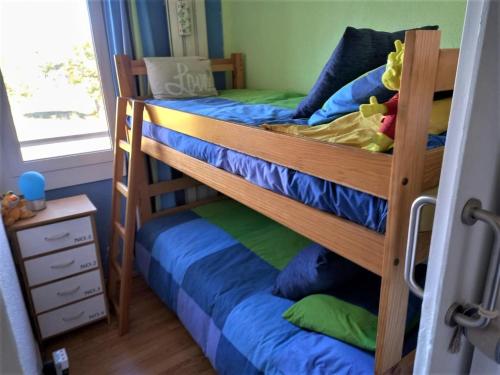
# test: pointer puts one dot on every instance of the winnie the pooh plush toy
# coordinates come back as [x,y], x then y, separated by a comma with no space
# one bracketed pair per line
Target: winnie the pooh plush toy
[392,81]
[14,209]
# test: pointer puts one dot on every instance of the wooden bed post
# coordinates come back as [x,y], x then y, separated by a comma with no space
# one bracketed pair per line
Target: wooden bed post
[238,71]
[126,84]
[415,103]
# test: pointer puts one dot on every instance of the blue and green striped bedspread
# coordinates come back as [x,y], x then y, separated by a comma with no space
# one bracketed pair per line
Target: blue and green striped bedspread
[215,267]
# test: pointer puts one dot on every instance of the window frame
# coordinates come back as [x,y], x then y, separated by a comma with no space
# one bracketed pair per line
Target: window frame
[74,169]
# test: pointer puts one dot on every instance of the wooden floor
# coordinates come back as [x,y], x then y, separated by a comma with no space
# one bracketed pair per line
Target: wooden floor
[157,343]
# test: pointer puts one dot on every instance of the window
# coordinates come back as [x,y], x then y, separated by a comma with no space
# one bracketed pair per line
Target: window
[52,80]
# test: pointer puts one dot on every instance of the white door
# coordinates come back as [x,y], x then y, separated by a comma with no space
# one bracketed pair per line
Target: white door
[460,254]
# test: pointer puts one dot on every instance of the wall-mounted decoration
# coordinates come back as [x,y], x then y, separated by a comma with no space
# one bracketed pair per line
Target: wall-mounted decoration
[184,17]
[187,27]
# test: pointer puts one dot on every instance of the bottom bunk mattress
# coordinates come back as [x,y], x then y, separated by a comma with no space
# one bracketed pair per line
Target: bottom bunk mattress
[215,266]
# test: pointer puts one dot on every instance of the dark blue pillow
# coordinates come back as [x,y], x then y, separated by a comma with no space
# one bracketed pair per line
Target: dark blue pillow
[364,291]
[351,96]
[359,51]
[314,270]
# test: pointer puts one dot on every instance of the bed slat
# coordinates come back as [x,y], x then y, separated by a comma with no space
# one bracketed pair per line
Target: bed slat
[362,246]
[138,68]
[187,206]
[171,186]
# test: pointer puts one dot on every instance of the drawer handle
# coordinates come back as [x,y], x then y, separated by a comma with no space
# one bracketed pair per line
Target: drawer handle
[57,236]
[63,265]
[71,318]
[68,292]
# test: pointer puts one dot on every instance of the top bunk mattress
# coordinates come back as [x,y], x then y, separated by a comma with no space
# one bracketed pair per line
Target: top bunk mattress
[254,108]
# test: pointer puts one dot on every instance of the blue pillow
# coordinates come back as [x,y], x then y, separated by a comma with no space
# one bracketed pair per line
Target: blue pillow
[314,270]
[351,96]
[359,51]
[364,291]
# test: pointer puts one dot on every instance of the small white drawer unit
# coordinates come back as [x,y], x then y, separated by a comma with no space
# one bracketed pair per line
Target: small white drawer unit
[58,256]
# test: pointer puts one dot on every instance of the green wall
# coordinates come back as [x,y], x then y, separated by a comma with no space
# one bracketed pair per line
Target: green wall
[287,42]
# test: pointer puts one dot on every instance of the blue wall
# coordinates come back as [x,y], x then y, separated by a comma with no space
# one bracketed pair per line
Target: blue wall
[19,352]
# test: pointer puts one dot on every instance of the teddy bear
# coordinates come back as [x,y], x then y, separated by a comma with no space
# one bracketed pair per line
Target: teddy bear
[14,209]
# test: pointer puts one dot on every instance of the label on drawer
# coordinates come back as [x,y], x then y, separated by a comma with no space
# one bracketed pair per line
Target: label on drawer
[71,316]
[46,238]
[62,264]
[66,291]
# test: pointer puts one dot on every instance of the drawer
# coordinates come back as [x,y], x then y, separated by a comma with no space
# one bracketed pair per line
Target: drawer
[72,316]
[39,240]
[66,291]
[62,264]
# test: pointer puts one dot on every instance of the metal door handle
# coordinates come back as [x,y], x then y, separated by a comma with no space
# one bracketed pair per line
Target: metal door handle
[411,246]
[473,212]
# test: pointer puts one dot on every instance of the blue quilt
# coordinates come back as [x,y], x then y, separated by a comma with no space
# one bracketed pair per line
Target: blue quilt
[353,205]
[215,267]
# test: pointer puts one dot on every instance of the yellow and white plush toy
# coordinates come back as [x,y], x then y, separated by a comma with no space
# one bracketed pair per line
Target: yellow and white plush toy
[389,110]
[14,209]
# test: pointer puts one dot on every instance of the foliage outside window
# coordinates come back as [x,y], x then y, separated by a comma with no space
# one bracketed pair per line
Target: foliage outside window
[52,80]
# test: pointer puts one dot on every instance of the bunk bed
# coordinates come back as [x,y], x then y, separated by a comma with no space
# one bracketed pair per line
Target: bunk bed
[396,178]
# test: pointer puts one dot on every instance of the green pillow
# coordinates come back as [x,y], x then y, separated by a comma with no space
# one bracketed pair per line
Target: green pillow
[333,317]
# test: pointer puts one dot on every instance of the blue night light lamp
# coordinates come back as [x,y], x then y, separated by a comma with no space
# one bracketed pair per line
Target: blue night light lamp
[32,186]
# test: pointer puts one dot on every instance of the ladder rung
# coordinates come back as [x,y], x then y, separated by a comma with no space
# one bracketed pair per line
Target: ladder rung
[124,145]
[120,186]
[120,229]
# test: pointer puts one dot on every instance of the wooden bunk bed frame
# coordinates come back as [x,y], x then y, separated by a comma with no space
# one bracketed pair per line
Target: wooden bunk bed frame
[399,178]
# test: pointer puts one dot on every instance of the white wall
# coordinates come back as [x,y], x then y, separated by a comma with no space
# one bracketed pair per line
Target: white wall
[3,124]
[19,352]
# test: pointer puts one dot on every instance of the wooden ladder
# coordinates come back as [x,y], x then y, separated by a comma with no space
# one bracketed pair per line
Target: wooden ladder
[120,273]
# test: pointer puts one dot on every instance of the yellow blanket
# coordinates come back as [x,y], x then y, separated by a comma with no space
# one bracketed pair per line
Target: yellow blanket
[355,130]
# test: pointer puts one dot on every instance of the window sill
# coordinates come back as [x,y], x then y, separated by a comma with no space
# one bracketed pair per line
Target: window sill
[67,171]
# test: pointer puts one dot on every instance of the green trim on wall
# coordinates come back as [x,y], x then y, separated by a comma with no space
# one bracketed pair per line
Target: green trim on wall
[287,42]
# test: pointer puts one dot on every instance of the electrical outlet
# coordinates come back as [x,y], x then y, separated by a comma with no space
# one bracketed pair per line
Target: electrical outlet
[61,362]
